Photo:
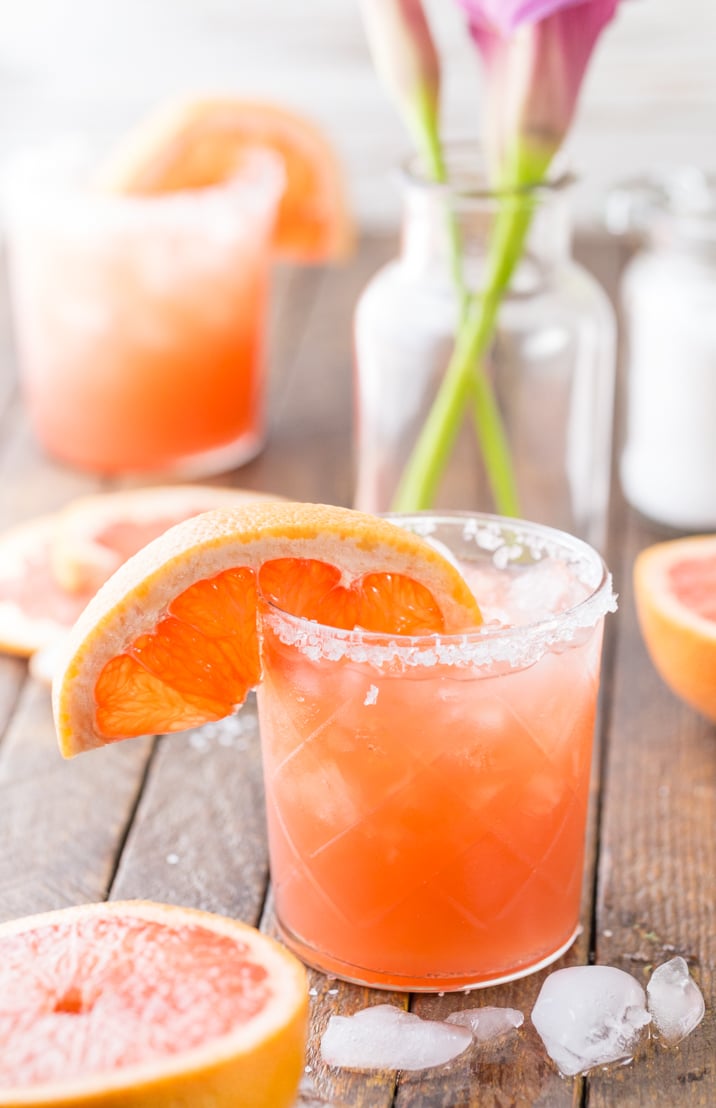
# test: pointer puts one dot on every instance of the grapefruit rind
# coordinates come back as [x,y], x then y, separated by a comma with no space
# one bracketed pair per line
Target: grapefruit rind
[680,642]
[197,142]
[139,594]
[257,1065]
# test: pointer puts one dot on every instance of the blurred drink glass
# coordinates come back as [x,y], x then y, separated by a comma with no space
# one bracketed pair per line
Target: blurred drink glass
[140,322]
[427,797]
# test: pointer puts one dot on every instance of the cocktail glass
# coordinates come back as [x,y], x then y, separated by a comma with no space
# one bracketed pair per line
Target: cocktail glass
[427,797]
[140,321]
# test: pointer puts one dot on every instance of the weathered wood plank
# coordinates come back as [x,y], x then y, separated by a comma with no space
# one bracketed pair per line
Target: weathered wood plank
[198,837]
[61,823]
[657,857]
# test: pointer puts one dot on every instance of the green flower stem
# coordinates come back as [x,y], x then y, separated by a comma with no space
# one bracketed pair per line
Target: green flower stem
[495,447]
[466,379]
[427,134]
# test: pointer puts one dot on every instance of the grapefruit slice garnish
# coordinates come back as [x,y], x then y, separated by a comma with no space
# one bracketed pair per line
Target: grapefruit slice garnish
[135,1003]
[195,143]
[171,640]
[675,592]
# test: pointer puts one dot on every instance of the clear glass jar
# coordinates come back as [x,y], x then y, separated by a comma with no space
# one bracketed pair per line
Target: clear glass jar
[551,360]
[668,464]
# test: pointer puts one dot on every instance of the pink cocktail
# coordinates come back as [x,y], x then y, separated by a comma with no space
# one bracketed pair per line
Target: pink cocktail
[140,321]
[427,798]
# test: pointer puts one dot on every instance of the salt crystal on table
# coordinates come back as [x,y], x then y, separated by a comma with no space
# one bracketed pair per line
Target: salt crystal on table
[590,1016]
[385,1037]
[674,1000]
[487,1023]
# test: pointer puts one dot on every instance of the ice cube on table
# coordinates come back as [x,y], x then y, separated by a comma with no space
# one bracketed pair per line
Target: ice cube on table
[674,1000]
[590,1016]
[487,1023]
[386,1037]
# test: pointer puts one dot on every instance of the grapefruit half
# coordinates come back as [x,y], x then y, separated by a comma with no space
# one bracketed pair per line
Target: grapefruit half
[51,565]
[675,593]
[144,1005]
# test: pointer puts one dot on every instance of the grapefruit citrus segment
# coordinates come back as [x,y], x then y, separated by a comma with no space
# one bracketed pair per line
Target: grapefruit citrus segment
[140,1004]
[195,143]
[171,640]
[313,590]
[675,592]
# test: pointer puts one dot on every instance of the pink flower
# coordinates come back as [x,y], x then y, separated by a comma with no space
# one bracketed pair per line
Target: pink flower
[406,61]
[536,53]
[505,16]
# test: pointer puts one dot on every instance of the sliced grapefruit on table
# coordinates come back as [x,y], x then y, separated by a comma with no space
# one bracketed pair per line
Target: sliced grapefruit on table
[34,608]
[171,640]
[51,565]
[145,1005]
[675,592]
[195,143]
[95,534]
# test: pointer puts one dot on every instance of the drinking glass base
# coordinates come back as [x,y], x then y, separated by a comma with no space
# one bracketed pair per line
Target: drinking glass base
[190,467]
[375,979]
[221,459]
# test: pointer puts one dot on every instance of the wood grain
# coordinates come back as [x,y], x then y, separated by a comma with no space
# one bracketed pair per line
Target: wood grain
[61,823]
[198,836]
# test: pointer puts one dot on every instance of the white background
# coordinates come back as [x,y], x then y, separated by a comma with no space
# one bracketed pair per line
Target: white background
[98,65]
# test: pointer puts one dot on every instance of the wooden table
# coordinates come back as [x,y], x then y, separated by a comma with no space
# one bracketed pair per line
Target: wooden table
[181,819]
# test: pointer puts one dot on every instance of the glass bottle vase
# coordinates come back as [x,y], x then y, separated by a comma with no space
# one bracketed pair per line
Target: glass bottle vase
[550,361]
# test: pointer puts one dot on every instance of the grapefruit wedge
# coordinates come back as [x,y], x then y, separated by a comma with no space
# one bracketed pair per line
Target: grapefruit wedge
[171,640]
[675,592]
[196,143]
[144,1005]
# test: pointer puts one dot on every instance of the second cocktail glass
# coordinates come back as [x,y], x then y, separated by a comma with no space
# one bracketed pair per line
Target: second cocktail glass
[140,321]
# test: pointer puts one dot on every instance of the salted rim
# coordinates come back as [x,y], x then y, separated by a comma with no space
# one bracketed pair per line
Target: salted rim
[485,646]
[54,180]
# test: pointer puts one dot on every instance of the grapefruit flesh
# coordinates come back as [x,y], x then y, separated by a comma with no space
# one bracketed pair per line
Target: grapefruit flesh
[34,607]
[171,641]
[135,1003]
[675,593]
[50,566]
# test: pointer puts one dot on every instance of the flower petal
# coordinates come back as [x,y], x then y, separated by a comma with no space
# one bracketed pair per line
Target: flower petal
[504,16]
[403,50]
[534,75]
